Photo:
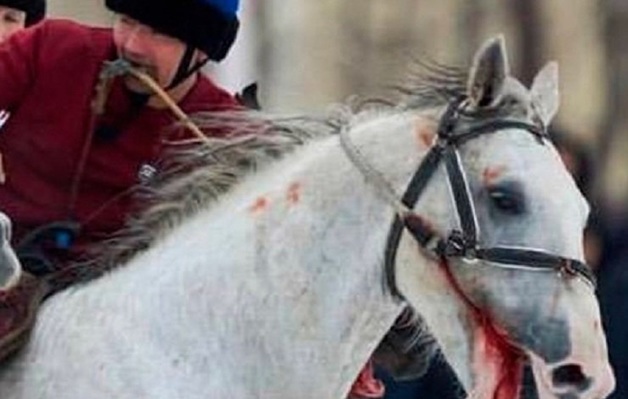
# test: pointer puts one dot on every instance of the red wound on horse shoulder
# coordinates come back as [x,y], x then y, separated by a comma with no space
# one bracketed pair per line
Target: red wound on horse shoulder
[425,135]
[294,193]
[259,205]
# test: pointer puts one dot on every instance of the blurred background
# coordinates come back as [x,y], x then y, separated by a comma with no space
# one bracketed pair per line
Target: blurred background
[306,54]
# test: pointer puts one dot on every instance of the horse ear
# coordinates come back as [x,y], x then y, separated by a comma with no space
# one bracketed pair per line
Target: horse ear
[545,92]
[488,73]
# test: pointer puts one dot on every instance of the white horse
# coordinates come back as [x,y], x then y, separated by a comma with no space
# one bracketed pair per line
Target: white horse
[278,288]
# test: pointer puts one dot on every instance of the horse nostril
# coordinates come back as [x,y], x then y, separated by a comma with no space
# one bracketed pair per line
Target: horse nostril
[571,375]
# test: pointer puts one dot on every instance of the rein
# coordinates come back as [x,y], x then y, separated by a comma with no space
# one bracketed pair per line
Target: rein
[462,243]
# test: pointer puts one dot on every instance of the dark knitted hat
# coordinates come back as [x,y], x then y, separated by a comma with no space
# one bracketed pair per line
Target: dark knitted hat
[35,9]
[208,25]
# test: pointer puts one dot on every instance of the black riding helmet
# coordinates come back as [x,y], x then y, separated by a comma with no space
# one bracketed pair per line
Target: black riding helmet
[35,9]
[207,25]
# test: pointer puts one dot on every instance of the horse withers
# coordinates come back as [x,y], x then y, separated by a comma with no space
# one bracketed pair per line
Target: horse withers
[281,282]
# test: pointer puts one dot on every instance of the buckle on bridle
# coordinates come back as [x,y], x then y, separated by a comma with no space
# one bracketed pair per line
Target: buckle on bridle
[458,246]
[566,268]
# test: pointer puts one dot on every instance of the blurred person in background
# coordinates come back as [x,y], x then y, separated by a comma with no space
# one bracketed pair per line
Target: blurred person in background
[613,296]
[612,289]
[16,15]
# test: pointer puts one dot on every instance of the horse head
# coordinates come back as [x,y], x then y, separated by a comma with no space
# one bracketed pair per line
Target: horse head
[509,244]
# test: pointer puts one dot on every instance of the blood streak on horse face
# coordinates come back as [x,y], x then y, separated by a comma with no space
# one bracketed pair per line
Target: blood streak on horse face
[496,363]
[492,173]
[497,360]
[294,193]
[259,206]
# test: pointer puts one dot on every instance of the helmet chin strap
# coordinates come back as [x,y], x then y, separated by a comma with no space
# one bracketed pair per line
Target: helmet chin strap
[138,100]
[186,69]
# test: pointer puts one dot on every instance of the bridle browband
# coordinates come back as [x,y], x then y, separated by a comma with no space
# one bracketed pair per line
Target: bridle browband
[459,243]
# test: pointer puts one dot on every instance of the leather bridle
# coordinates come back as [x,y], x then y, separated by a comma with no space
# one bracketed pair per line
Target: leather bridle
[460,243]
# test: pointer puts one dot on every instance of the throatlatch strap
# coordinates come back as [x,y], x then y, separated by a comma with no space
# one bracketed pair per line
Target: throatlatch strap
[417,184]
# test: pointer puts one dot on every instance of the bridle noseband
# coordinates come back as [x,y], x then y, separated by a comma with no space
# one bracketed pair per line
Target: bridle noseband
[459,243]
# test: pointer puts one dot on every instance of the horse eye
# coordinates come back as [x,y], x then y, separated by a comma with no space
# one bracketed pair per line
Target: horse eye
[507,200]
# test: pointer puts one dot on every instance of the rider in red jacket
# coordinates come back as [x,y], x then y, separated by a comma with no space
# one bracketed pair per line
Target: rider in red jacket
[78,140]
[62,162]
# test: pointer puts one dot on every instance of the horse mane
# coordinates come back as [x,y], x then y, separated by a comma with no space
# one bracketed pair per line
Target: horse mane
[433,84]
[195,173]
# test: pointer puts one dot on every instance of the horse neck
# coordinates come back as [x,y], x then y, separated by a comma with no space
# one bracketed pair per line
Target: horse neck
[421,279]
[291,259]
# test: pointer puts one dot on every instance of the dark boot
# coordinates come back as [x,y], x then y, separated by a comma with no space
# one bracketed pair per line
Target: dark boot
[18,307]
[408,348]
